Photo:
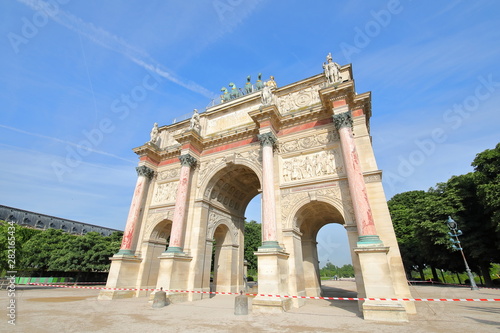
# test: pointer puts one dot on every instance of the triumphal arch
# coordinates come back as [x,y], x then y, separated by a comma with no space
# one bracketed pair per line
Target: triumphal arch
[306,147]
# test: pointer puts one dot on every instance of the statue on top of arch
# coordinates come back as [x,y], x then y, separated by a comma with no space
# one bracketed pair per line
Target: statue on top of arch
[195,122]
[332,70]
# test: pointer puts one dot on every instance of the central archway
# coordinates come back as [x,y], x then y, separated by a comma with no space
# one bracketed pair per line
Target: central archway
[310,218]
[228,193]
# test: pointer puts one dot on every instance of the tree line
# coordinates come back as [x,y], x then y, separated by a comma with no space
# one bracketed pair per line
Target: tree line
[472,200]
[51,250]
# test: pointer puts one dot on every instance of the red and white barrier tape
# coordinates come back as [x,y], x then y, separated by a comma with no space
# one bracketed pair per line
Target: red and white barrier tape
[287,296]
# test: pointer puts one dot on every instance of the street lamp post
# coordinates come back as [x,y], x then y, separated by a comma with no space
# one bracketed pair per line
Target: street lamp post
[455,233]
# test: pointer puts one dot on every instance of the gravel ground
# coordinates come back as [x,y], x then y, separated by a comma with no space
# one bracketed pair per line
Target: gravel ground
[41,309]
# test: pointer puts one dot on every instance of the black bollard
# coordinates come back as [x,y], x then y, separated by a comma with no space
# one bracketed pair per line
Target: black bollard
[241,304]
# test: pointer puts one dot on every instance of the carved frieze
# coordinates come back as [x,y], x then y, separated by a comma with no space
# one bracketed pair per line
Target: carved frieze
[154,217]
[168,174]
[164,193]
[310,141]
[217,217]
[373,178]
[207,167]
[318,164]
[299,99]
[288,199]
[254,155]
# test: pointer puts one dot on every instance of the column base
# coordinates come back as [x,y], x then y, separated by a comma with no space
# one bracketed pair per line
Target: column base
[369,240]
[263,304]
[174,249]
[384,311]
[122,274]
[270,245]
[125,253]
[173,275]
[273,275]
[378,284]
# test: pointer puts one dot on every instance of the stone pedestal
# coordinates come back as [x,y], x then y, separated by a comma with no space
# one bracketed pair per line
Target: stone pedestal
[273,275]
[173,275]
[122,274]
[378,284]
[241,305]
[160,299]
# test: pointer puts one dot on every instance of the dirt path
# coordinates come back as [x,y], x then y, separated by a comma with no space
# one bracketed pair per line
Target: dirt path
[78,310]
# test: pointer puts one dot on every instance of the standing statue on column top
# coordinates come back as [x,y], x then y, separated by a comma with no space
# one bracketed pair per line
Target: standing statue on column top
[332,70]
[195,122]
[266,96]
[271,83]
[154,134]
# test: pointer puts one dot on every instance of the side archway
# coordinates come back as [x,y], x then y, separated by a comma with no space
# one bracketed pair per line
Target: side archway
[154,243]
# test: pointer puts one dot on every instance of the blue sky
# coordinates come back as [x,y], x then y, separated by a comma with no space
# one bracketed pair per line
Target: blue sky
[74,72]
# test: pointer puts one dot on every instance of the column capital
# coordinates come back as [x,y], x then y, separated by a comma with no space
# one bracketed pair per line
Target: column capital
[187,160]
[343,119]
[267,139]
[145,171]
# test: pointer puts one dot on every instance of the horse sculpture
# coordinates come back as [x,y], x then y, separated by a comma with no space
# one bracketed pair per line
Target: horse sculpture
[225,95]
[259,84]
[235,93]
[248,86]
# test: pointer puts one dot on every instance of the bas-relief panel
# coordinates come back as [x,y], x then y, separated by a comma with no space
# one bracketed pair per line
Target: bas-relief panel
[299,99]
[229,120]
[323,163]
[310,141]
[164,193]
[167,138]
[168,174]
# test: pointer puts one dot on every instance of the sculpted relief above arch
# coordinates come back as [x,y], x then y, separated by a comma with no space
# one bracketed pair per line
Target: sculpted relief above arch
[217,217]
[334,193]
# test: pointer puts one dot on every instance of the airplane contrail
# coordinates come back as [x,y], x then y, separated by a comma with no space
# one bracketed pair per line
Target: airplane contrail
[114,43]
[84,147]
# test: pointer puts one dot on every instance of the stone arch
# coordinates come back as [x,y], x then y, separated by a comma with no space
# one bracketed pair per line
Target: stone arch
[231,228]
[225,259]
[227,189]
[291,221]
[154,243]
[307,217]
[223,164]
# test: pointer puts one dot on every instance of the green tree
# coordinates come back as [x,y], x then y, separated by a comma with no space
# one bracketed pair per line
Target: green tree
[12,238]
[87,253]
[480,239]
[418,219]
[40,251]
[487,168]
[253,239]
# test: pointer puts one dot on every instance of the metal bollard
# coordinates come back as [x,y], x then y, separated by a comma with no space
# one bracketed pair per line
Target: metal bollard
[241,304]
[160,300]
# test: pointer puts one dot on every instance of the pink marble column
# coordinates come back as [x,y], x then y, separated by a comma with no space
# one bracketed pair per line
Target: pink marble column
[269,238]
[177,233]
[144,175]
[362,211]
